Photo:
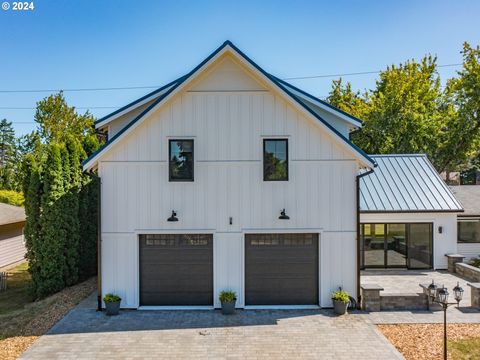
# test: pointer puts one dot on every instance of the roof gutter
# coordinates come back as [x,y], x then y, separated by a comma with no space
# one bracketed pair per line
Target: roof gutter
[357,183]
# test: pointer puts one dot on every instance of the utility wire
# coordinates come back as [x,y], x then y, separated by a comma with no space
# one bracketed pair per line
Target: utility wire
[157,86]
[353,74]
[76,107]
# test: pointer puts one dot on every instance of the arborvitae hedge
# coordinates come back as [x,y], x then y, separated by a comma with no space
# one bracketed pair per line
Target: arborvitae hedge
[61,206]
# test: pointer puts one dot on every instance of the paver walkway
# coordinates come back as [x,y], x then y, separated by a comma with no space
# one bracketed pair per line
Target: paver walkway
[406,281]
[251,334]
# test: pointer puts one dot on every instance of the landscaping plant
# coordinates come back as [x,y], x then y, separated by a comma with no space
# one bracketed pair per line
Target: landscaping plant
[340,300]
[112,304]
[228,299]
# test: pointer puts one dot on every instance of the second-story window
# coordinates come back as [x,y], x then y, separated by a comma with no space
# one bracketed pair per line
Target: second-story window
[181,160]
[275,160]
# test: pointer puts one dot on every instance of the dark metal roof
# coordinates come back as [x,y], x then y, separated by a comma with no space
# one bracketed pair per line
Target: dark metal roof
[469,197]
[405,183]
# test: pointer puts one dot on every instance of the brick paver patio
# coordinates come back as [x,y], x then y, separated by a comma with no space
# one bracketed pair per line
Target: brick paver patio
[253,334]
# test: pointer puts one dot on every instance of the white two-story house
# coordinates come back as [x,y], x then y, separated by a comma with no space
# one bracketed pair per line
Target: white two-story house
[229,178]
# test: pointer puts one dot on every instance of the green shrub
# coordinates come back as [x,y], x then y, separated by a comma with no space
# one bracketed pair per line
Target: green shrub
[11,197]
[228,296]
[341,295]
[108,298]
[475,262]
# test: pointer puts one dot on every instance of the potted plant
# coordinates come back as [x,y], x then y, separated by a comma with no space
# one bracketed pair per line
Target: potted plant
[112,304]
[228,299]
[340,300]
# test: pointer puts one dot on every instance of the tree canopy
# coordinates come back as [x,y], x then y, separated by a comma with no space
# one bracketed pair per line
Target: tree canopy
[408,112]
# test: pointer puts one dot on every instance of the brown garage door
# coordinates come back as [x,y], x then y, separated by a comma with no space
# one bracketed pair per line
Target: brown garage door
[176,269]
[281,269]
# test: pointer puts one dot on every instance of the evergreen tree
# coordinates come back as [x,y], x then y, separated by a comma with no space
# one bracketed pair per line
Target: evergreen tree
[53,233]
[8,162]
[33,189]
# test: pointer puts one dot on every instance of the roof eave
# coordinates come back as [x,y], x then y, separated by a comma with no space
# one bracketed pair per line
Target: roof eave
[363,157]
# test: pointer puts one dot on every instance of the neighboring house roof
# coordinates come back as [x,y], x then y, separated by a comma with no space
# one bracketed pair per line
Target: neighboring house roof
[469,197]
[172,88]
[405,183]
[10,214]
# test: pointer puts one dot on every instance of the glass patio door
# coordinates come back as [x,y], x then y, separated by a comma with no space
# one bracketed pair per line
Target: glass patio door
[396,245]
[420,247]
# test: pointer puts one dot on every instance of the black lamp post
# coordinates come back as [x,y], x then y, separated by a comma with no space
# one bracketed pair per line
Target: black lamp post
[440,296]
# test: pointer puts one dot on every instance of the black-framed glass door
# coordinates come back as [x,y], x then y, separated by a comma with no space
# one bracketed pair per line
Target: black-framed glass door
[397,245]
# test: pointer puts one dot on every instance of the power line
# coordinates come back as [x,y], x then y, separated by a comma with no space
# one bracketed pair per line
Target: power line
[352,74]
[157,86]
[76,107]
[81,89]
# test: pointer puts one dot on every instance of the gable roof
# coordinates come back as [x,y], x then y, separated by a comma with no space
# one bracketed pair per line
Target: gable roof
[469,197]
[144,99]
[300,94]
[405,183]
[172,88]
[10,214]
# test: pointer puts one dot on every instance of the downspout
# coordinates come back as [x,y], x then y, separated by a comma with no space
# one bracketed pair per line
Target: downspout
[357,181]
[99,247]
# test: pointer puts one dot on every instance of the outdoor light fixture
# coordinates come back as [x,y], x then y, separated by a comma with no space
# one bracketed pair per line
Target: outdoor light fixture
[173,217]
[432,289]
[458,293]
[283,215]
[440,296]
[440,229]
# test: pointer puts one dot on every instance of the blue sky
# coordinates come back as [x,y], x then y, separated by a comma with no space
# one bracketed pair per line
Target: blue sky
[114,43]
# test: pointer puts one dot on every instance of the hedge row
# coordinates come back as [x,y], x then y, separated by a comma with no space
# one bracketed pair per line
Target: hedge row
[61,204]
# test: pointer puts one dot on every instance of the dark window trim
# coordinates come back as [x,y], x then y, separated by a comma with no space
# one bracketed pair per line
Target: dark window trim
[288,165]
[407,229]
[170,159]
[466,220]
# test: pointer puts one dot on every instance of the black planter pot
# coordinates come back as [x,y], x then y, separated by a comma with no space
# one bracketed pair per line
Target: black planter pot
[112,308]
[339,307]
[228,308]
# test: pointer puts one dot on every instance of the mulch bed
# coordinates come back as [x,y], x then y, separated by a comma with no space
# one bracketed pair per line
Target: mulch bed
[425,341]
[53,309]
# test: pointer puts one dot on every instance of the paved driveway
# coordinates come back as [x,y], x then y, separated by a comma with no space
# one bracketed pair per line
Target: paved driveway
[253,334]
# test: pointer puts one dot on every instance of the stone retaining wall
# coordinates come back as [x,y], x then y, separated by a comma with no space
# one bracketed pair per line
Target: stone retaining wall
[469,272]
[403,301]
[372,300]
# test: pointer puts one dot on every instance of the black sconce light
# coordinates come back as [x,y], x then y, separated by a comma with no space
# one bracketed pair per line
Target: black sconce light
[173,217]
[440,229]
[283,216]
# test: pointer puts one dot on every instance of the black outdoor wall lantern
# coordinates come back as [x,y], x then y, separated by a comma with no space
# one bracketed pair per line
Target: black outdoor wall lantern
[283,215]
[173,217]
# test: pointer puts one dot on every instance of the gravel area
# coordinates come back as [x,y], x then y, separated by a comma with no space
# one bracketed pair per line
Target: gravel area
[425,341]
[38,317]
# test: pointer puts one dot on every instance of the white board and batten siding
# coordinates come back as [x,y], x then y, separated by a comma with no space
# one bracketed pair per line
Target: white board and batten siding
[228,124]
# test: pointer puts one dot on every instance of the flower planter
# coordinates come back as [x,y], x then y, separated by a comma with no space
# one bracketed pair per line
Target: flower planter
[339,307]
[228,307]
[112,308]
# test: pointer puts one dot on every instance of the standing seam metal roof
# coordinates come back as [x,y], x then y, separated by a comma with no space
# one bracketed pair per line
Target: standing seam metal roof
[405,183]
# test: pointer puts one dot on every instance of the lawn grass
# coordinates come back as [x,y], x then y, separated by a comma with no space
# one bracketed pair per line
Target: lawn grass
[23,320]
[17,294]
[466,349]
